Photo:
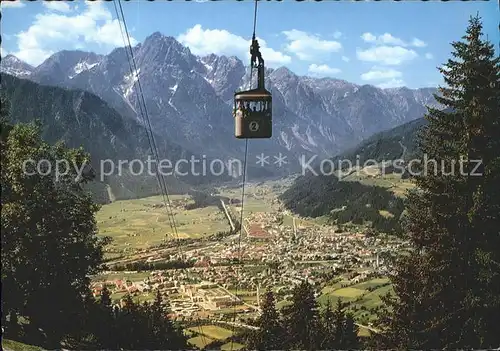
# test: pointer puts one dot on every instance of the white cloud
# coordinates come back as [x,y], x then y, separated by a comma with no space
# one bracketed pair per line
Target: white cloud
[52,32]
[308,47]
[389,39]
[345,59]
[369,37]
[322,70]
[380,74]
[59,6]
[337,35]
[393,83]
[11,4]
[418,43]
[429,56]
[219,41]
[388,55]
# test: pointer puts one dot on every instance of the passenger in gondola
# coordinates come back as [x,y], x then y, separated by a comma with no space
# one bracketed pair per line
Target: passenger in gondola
[239,110]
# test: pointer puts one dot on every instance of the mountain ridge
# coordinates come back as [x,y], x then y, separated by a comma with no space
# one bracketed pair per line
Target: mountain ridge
[322,192]
[189,99]
[82,119]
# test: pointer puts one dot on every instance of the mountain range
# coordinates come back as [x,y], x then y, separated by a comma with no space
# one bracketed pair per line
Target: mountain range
[82,119]
[189,98]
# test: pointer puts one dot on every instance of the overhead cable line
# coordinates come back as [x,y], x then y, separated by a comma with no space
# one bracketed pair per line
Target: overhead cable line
[146,120]
[149,133]
[239,263]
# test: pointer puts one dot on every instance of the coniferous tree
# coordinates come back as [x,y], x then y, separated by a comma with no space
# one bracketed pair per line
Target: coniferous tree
[339,320]
[105,297]
[103,322]
[328,328]
[270,334]
[448,290]
[165,333]
[350,339]
[301,319]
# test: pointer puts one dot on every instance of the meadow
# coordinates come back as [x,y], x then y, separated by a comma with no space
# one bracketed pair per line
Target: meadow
[373,177]
[200,341]
[207,334]
[142,223]
[361,297]
[11,345]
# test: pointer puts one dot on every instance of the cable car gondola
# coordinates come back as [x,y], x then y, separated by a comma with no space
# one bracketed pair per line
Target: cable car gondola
[253,108]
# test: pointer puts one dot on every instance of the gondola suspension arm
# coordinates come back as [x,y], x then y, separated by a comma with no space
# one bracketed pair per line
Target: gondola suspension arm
[256,59]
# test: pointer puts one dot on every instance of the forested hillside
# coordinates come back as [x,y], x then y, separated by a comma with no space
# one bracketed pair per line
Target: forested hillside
[82,119]
[344,202]
[318,194]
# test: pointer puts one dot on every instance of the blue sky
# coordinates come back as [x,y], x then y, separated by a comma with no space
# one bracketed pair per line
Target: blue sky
[381,43]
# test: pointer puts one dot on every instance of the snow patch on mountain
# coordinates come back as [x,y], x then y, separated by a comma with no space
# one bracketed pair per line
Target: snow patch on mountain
[10,64]
[82,66]
[129,83]
[189,98]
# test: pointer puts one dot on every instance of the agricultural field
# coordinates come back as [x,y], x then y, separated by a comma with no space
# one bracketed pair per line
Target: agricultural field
[232,346]
[200,341]
[373,177]
[11,345]
[358,296]
[212,331]
[261,197]
[258,197]
[142,223]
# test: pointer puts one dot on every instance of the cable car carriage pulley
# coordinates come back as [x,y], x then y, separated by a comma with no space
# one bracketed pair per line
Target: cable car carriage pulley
[253,108]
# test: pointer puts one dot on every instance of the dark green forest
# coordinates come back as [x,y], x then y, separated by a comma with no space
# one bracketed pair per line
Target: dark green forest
[344,202]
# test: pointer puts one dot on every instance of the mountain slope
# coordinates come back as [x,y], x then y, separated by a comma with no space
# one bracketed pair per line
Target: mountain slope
[389,145]
[321,193]
[82,119]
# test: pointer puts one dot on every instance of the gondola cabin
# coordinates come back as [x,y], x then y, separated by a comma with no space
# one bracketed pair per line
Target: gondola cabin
[253,114]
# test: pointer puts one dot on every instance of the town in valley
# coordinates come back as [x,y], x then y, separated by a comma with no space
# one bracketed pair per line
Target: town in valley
[219,278]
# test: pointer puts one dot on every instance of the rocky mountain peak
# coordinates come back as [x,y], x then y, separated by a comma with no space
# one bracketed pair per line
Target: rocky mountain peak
[159,50]
[12,65]
[189,98]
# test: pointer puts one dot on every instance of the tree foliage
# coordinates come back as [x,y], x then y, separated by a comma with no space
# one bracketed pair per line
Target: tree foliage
[49,242]
[302,326]
[133,326]
[448,291]
[270,335]
[344,202]
[50,247]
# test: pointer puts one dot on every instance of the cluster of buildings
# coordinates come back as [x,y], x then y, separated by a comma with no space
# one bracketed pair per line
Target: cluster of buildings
[209,296]
[272,255]
[157,280]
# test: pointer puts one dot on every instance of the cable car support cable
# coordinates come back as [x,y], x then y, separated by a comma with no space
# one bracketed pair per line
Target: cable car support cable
[254,50]
[146,120]
[150,136]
